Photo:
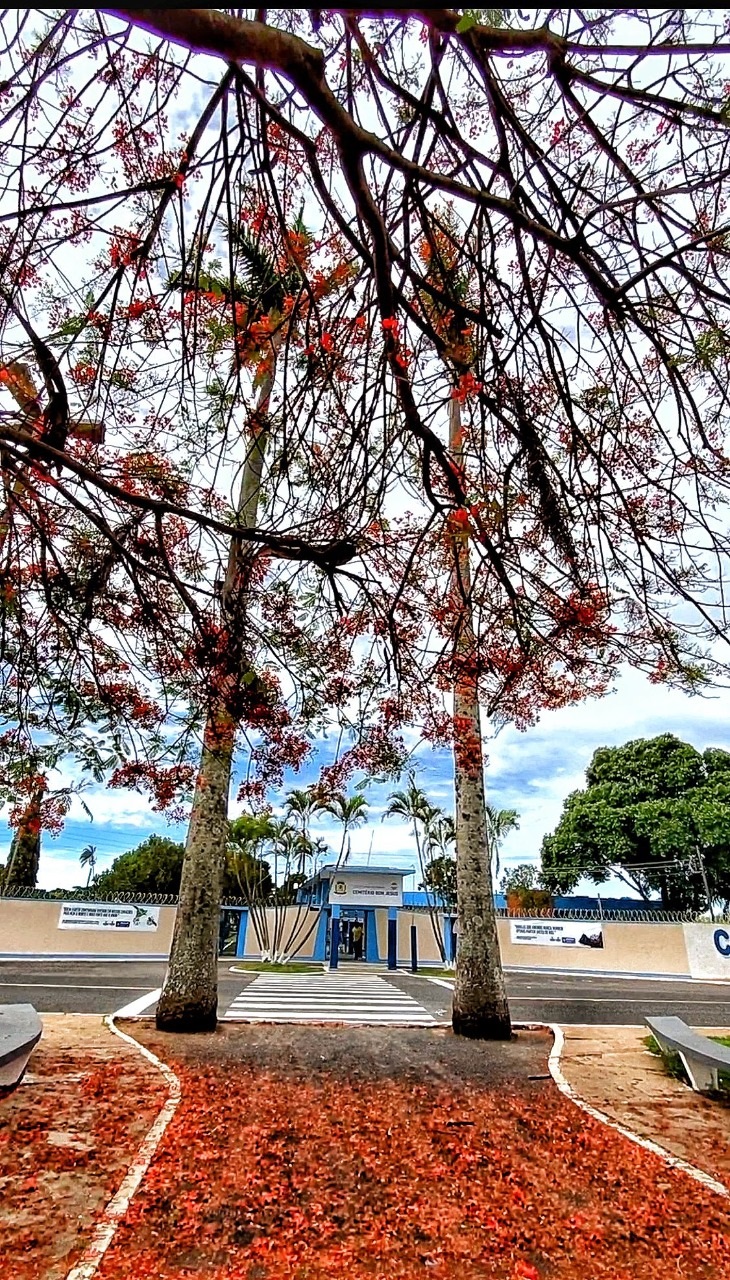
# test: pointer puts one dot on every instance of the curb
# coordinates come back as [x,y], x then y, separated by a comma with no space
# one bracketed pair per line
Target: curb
[114,1211]
[674,1162]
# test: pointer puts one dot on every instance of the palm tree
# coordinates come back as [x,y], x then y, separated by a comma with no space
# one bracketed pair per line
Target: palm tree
[301,804]
[87,858]
[440,835]
[189,997]
[351,811]
[414,806]
[499,823]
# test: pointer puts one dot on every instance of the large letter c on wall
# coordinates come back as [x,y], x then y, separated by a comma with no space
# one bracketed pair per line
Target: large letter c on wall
[722,941]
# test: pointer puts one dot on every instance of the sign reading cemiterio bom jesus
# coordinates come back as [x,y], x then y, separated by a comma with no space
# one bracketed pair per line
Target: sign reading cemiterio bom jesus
[351,890]
[554,933]
[106,915]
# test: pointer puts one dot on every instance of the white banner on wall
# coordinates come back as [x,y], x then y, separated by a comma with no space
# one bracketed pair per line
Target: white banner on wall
[107,915]
[348,889]
[556,933]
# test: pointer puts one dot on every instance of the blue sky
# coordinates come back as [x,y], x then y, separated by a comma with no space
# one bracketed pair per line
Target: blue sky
[531,772]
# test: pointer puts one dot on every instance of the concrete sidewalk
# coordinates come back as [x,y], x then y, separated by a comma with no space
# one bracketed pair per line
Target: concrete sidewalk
[611,1068]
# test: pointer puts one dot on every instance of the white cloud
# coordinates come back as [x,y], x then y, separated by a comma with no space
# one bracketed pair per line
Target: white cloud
[531,772]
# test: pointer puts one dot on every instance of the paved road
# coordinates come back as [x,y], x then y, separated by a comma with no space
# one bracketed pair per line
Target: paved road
[103,987]
[356,998]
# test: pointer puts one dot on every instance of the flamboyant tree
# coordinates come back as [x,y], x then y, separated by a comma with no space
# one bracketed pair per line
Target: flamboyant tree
[577,162]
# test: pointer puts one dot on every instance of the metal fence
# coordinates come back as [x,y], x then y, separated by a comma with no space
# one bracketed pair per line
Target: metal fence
[88,895]
[641,914]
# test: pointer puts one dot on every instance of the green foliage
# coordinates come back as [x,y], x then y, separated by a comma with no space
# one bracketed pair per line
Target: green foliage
[674,1066]
[154,866]
[480,17]
[524,876]
[439,878]
[87,858]
[247,870]
[499,824]
[711,346]
[524,888]
[651,801]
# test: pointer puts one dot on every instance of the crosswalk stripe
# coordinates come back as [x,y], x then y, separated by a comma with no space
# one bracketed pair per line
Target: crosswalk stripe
[325,998]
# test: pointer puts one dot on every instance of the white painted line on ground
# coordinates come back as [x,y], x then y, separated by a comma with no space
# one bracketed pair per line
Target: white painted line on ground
[673,1161]
[81,957]
[516,998]
[355,999]
[72,986]
[578,999]
[115,1210]
[341,1019]
[136,1007]
[582,974]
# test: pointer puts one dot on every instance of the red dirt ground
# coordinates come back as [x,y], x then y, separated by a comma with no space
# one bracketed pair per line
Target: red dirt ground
[303,1152]
[67,1136]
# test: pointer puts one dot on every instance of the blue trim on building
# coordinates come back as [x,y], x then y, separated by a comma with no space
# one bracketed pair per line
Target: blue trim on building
[372,954]
[334,936]
[320,942]
[241,940]
[393,937]
[450,938]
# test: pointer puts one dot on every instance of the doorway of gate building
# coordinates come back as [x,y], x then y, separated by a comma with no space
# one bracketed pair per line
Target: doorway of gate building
[232,932]
[353,934]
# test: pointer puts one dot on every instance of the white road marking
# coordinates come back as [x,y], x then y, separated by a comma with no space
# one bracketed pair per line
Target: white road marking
[135,1007]
[578,999]
[73,986]
[366,1001]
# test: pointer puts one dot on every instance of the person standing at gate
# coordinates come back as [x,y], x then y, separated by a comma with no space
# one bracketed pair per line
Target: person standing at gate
[357,940]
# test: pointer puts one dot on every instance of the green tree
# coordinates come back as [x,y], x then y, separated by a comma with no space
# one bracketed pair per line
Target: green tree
[524,888]
[248,836]
[648,808]
[87,858]
[439,878]
[268,892]
[432,830]
[154,866]
[301,804]
[499,824]
[351,812]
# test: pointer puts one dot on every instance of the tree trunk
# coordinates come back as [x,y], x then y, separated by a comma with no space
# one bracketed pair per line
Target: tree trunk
[189,999]
[25,848]
[480,1010]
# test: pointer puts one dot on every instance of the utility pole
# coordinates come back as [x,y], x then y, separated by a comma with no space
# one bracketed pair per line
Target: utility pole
[696,867]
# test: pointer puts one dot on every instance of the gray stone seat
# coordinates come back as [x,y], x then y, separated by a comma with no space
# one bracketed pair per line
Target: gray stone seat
[702,1059]
[20,1031]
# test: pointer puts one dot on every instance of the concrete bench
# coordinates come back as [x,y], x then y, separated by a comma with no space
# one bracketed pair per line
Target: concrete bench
[20,1031]
[701,1058]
